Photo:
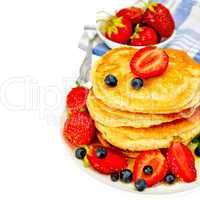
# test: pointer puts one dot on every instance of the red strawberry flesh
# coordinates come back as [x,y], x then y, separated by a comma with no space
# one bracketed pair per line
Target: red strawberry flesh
[156,160]
[149,62]
[181,162]
[113,162]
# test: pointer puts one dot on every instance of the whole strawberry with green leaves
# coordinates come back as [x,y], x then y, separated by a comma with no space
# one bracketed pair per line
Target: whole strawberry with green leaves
[159,17]
[144,36]
[117,29]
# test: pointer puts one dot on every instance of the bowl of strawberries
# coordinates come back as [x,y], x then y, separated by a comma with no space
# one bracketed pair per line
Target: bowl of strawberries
[152,24]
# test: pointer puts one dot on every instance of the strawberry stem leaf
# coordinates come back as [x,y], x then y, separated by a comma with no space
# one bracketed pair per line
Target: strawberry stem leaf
[111,25]
[77,84]
[137,30]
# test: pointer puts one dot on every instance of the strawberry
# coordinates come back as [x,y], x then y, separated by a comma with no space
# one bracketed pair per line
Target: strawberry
[156,161]
[117,29]
[79,129]
[149,62]
[110,163]
[181,162]
[144,36]
[76,99]
[133,14]
[160,18]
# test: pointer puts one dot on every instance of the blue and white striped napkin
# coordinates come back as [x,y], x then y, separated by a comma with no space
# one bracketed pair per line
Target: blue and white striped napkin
[187,18]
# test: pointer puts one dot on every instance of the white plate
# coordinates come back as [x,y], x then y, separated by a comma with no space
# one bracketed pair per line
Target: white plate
[161,189]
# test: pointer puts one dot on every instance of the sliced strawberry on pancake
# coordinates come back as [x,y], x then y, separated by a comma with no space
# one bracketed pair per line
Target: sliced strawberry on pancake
[149,62]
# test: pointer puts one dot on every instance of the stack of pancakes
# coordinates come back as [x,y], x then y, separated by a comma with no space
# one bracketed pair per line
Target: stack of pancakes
[165,109]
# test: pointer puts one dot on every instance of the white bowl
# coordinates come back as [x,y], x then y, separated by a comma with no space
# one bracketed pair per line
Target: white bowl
[113,45]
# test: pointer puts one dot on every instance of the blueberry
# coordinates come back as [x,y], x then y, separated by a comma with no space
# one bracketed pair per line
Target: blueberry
[110,80]
[80,153]
[197,151]
[101,152]
[137,83]
[126,176]
[140,185]
[148,170]
[114,176]
[170,178]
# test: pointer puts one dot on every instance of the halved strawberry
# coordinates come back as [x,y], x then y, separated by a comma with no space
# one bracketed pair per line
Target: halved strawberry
[181,162]
[149,62]
[112,162]
[154,159]
[76,99]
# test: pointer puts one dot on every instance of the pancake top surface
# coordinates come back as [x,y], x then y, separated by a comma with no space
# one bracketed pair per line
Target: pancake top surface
[173,91]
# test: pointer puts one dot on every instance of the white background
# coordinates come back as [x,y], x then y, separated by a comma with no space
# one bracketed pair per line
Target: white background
[39,59]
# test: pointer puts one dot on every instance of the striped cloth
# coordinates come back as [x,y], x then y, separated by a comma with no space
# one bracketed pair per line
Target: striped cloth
[187,18]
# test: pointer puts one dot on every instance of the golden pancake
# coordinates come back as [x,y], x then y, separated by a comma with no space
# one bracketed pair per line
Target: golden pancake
[116,118]
[129,154]
[175,90]
[156,137]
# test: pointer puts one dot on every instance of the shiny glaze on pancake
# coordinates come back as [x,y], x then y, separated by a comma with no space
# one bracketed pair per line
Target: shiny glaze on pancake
[175,90]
